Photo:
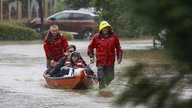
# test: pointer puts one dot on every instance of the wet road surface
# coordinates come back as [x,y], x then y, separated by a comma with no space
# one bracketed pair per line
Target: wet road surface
[22,84]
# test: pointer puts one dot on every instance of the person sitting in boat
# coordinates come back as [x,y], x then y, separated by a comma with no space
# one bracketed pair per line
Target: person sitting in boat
[69,50]
[72,63]
[69,62]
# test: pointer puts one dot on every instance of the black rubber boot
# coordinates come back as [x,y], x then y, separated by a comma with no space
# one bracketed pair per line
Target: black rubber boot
[101,83]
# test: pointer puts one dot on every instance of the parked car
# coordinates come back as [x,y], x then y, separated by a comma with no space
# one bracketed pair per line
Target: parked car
[81,24]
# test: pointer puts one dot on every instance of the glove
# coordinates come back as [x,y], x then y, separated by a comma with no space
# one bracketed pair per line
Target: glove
[119,61]
[92,60]
[53,63]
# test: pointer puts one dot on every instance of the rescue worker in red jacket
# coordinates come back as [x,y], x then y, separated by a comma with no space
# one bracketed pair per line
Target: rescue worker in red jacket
[105,42]
[55,45]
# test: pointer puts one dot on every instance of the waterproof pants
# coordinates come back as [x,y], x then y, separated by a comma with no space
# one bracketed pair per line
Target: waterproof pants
[48,63]
[105,75]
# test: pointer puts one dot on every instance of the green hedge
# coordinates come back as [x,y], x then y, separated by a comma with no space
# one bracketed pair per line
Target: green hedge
[11,31]
[14,32]
[68,35]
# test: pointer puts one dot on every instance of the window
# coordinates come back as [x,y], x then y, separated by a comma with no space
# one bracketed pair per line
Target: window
[62,16]
[74,16]
[79,16]
[88,17]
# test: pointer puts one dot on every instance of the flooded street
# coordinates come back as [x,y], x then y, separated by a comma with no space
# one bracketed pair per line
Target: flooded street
[22,84]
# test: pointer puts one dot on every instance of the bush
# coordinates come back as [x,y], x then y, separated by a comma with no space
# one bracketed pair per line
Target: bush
[22,23]
[14,32]
[68,35]
[11,31]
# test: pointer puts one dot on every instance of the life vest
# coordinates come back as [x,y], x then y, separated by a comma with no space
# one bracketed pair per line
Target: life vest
[77,64]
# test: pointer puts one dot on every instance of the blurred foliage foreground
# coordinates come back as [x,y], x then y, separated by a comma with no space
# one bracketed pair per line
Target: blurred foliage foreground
[158,91]
[156,81]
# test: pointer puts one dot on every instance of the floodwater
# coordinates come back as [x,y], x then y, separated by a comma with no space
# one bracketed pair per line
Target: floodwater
[22,84]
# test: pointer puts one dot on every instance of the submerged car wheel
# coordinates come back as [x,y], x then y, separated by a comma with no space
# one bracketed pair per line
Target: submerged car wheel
[87,34]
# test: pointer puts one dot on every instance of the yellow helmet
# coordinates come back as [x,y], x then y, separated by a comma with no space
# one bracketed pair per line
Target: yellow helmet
[103,24]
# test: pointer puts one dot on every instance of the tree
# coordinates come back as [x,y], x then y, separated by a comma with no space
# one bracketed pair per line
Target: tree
[41,16]
[124,26]
[177,18]
[76,4]
[111,12]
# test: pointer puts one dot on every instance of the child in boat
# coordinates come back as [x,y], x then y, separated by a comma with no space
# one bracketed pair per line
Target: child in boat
[71,60]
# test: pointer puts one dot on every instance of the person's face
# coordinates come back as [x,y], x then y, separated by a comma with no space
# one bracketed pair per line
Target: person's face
[54,31]
[105,30]
[74,57]
[70,50]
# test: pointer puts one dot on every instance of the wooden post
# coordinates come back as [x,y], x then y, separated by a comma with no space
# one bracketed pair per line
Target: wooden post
[46,8]
[19,9]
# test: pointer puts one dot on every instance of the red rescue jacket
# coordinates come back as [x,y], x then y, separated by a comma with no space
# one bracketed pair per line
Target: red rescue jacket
[105,49]
[55,46]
